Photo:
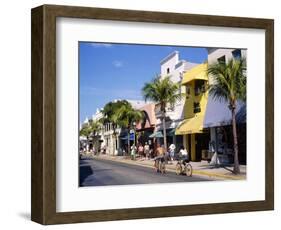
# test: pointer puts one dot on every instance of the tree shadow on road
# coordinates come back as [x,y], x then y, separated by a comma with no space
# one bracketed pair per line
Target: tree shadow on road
[84,172]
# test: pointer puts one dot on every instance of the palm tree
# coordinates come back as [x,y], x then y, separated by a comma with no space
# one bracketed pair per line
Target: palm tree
[109,115]
[126,116]
[87,130]
[95,127]
[230,86]
[165,93]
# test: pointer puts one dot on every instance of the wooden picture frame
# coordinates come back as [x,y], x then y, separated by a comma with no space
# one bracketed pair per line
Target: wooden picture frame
[43,208]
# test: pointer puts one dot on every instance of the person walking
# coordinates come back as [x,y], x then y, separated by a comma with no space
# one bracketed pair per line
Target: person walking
[133,152]
[146,150]
[140,150]
[172,149]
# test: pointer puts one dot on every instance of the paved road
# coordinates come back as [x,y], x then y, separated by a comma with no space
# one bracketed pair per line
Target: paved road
[98,172]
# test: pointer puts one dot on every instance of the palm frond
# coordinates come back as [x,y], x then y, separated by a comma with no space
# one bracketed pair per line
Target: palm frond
[162,91]
[229,80]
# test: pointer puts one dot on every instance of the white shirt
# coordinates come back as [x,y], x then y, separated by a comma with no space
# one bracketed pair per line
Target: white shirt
[172,147]
[183,152]
[146,147]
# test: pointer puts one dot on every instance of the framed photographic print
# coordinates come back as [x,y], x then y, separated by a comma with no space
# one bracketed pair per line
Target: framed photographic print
[140,114]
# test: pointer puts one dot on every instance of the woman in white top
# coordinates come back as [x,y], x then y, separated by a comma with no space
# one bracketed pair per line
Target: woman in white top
[184,155]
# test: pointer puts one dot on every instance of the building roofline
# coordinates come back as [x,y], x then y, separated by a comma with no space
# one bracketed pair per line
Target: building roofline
[171,55]
[211,49]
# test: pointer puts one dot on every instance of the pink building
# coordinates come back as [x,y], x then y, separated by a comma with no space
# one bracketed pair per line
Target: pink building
[147,126]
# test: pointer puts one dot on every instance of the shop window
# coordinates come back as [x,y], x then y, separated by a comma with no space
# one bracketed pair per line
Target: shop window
[199,87]
[187,91]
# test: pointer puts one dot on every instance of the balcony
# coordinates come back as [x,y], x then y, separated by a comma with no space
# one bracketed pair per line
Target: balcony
[158,112]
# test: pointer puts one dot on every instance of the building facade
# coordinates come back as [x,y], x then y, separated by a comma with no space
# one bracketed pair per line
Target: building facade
[218,115]
[146,128]
[174,68]
[206,127]
[114,138]
[195,138]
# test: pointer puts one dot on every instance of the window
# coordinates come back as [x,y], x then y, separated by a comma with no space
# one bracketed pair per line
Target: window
[221,59]
[187,91]
[168,70]
[199,87]
[236,54]
[196,107]
[181,76]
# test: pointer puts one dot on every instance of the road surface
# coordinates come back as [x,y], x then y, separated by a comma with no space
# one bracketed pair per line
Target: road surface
[99,172]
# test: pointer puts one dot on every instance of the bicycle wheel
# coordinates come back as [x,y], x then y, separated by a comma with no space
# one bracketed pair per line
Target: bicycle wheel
[156,165]
[188,169]
[178,169]
[163,167]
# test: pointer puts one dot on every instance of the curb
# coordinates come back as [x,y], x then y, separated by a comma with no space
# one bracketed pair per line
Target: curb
[216,175]
[195,172]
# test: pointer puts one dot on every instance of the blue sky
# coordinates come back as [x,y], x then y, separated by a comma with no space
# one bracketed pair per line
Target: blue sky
[118,71]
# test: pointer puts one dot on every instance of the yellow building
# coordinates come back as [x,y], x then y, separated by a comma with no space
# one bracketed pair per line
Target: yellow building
[194,84]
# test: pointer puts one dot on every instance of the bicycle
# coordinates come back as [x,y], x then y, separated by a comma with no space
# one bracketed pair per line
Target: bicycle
[160,165]
[183,167]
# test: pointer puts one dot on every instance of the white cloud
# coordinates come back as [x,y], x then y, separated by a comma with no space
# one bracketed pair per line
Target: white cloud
[100,45]
[117,64]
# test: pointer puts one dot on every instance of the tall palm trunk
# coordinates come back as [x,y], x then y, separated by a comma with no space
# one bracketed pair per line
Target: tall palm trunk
[164,130]
[236,168]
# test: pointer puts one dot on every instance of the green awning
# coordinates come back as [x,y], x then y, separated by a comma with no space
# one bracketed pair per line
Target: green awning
[171,132]
[156,135]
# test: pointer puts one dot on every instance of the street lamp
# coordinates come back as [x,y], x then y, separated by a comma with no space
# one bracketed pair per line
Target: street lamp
[134,125]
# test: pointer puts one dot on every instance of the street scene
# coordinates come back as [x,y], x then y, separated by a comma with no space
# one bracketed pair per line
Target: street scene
[161,114]
[99,172]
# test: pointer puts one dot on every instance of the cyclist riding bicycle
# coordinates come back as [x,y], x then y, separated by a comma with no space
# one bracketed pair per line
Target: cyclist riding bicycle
[183,166]
[160,153]
[183,154]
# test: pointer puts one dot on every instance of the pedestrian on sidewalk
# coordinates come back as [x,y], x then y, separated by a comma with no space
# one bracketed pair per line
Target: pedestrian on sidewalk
[172,149]
[146,150]
[140,150]
[133,152]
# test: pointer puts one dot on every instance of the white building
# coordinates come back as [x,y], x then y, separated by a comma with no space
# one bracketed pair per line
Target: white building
[173,67]
[110,141]
[217,113]
[224,55]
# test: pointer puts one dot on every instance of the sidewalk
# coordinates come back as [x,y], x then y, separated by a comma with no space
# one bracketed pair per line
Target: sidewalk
[199,168]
